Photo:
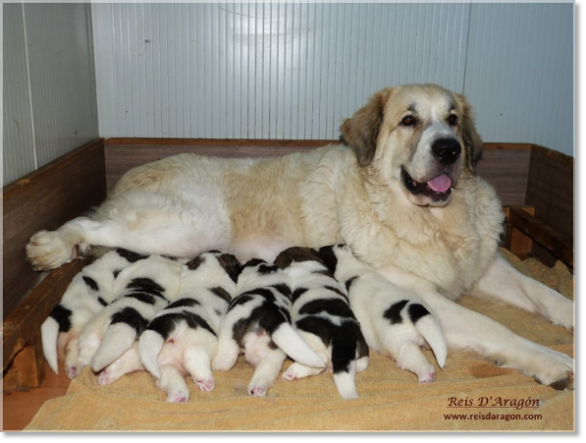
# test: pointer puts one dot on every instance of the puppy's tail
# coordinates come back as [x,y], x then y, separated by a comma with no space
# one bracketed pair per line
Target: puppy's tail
[49,335]
[295,347]
[150,344]
[430,329]
[344,365]
[118,338]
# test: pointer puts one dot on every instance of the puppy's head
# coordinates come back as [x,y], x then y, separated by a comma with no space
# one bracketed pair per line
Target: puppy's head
[420,137]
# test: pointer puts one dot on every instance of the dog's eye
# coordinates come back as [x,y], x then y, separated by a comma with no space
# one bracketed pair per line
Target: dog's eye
[409,120]
[453,120]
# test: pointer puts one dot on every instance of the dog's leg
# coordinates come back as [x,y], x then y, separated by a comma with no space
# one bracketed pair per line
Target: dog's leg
[266,372]
[72,365]
[409,357]
[173,384]
[297,371]
[197,363]
[128,362]
[468,330]
[504,283]
[228,351]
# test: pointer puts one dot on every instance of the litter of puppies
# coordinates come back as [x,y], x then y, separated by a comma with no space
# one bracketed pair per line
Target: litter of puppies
[177,317]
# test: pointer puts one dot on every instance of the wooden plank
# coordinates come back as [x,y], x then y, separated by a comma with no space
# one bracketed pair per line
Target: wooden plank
[504,165]
[550,189]
[547,237]
[45,199]
[122,154]
[506,168]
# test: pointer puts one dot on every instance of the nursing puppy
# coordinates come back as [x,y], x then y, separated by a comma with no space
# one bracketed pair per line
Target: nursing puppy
[88,293]
[182,338]
[257,324]
[322,316]
[141,291]
[393,320]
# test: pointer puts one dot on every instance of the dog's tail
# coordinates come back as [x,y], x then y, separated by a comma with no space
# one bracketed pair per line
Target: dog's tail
[49,335]
[344,365]
[294,346]
[118,338]
[430,329]
[150,344]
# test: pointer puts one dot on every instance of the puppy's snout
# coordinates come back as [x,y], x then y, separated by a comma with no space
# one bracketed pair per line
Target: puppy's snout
[446,150]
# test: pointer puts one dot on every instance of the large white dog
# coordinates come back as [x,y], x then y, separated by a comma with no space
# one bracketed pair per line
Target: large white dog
[401,192]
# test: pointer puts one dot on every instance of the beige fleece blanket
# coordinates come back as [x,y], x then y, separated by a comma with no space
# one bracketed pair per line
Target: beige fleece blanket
[468,395]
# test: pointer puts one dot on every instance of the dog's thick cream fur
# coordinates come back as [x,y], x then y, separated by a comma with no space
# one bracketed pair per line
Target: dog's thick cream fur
[422,218]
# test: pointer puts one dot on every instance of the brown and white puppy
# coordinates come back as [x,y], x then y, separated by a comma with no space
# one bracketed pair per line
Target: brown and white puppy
[401,191]
[393,319]
[321,314]
[182,338]
[141,290]
[88,293]
[258,324]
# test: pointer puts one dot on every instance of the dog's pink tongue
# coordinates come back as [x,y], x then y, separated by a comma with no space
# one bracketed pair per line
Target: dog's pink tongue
[441,183]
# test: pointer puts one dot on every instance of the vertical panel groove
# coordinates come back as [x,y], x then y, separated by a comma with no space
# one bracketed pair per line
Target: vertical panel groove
[296,70]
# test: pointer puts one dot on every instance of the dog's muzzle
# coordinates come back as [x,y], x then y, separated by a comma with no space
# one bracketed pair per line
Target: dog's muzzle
[446,152]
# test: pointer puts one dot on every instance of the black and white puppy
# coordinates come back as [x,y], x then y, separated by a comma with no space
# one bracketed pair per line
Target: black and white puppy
[257,324]
[88,293]
[393,320]
[322,316]
[182,338]
[141,290]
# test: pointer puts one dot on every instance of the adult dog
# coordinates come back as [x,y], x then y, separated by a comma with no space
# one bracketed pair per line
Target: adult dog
[401,191]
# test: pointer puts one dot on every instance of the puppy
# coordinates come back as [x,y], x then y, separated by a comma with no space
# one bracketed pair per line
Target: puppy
[89,291]
[393,320]
[321,314]
[257,324]
[140,292]
[182,338]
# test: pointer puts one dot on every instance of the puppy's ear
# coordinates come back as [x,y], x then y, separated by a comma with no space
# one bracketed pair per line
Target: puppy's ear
[361,131]
[472,141]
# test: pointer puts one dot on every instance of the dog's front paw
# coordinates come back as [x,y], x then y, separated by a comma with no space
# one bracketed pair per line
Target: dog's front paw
[552,368]
[47,250]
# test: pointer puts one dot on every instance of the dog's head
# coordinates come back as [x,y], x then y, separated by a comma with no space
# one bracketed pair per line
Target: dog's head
[421,136]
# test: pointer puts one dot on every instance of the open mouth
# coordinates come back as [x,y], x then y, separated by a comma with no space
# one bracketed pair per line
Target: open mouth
[438,188]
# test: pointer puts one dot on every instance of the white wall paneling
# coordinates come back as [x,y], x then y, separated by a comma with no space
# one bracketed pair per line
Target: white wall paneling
[273,70]
[49,84]
[264,70]
[519,73]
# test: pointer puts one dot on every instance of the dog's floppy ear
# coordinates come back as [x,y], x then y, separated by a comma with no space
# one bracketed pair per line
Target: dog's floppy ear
[471,138]
[361,131]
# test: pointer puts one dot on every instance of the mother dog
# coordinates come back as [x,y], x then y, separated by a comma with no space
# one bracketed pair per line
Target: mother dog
[401,192]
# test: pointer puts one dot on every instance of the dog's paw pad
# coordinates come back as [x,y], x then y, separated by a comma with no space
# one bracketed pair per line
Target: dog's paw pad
[288,376]
[72,371]
[427,377]
[105,378]
[259,391]
[206,384]
[178,397]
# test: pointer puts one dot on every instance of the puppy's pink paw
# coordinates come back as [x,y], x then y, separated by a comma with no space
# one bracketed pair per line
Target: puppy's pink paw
[206,384]
[259,391]
[105,378]
[427,377]
[72,371]
[178,397]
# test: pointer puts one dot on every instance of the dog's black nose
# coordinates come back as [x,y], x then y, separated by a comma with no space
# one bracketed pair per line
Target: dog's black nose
[446,150]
